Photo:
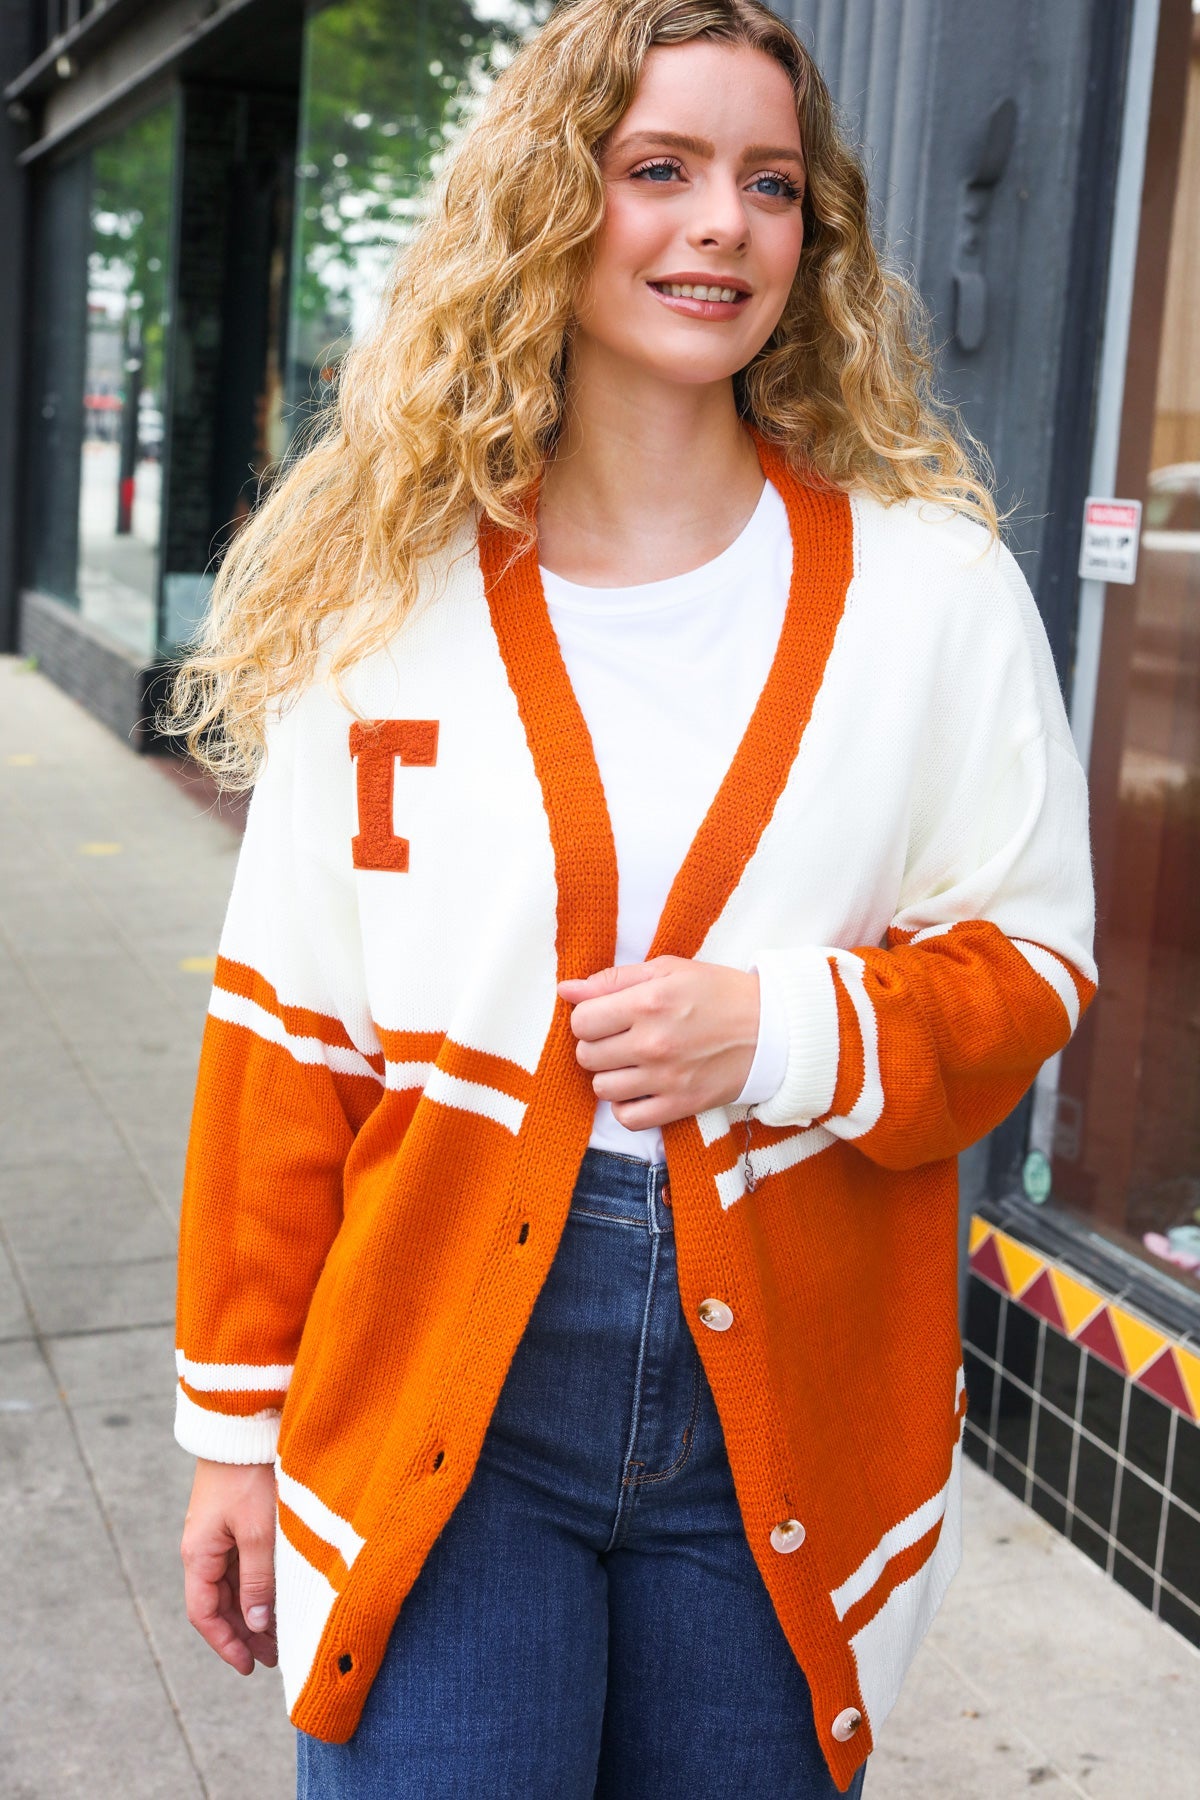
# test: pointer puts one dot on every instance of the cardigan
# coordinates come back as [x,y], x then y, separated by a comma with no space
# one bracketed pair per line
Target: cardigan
[390,1116]
[662,744]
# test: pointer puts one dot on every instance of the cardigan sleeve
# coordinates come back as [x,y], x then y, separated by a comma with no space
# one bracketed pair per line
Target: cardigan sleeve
[916,1046]
[288,1071]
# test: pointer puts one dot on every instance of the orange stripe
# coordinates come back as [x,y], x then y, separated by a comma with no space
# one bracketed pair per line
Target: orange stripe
[852,1067]
[239,978]
[312,1548]
[239,1405]
[461,1060]
[822,566]
[410,1046]
[481,1065]
[897,1570]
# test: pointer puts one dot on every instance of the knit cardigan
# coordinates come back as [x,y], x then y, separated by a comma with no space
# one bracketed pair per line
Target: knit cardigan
[390,1116]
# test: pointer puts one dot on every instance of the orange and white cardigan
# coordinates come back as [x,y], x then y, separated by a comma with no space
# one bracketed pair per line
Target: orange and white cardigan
[390,1116]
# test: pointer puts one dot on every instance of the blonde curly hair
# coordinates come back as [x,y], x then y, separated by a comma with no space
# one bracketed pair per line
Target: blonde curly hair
[453,400]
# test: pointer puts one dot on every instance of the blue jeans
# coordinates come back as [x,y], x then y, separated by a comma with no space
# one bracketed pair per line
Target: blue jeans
[590,1624]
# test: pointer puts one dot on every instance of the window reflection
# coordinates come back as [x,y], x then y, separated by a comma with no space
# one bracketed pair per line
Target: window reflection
[387,84]
[121,454]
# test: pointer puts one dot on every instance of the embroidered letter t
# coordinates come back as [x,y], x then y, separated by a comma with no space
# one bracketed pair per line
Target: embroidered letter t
[377,747]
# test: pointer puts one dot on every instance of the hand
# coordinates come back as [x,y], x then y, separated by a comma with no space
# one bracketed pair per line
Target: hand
[228,1561]
[666,1038]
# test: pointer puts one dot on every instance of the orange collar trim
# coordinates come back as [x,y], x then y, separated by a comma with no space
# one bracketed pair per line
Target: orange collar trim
[580,828]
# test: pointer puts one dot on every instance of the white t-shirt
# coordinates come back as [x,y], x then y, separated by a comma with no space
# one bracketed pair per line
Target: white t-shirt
[667,675]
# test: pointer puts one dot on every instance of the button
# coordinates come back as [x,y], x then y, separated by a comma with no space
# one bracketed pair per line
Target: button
[846,1724]
[666,1194]
[716,1315]
[787,1535]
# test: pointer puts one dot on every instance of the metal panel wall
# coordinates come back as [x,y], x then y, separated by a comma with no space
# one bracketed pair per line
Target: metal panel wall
[926,88]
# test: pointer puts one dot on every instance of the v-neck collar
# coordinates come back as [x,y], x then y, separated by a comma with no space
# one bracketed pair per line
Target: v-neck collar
[580,827]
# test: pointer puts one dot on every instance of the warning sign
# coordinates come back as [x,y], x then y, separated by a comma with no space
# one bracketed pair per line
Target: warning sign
[1110,540]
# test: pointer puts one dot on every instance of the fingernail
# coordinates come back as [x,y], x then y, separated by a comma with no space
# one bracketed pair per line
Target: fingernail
[257,1616]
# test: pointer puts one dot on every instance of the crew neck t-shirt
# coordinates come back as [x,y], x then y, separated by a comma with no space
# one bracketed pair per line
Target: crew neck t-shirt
[667,675]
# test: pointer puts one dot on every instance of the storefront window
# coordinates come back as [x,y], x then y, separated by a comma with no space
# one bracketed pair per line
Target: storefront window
[386,84]
[121,455]
[1127,1144]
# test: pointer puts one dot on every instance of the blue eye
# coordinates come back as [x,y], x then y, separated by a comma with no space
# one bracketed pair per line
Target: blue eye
[784,189]
[658,172]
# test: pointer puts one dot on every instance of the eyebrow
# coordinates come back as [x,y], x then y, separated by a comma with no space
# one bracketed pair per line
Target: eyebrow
[674,140]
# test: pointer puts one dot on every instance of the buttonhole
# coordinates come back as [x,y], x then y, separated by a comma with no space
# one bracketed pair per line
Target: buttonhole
[345,1663]
[524,1231]
[437,1461]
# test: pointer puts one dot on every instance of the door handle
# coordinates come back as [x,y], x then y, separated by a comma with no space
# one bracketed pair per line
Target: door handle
[974,209]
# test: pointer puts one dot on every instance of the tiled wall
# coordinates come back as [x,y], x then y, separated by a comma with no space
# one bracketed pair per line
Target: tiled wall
[1090,1415]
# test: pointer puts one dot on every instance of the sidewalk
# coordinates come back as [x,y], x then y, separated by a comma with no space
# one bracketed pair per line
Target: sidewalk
[1038,1672]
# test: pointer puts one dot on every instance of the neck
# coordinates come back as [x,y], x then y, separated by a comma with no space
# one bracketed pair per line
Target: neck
[649,477]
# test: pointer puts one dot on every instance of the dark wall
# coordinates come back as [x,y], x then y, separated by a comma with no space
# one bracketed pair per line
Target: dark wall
[1011,259]
[16,50]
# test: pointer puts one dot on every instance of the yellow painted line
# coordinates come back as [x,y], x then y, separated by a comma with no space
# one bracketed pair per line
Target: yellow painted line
[198,965]
[100,849]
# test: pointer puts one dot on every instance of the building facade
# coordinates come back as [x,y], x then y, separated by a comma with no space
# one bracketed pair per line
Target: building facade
[199,199]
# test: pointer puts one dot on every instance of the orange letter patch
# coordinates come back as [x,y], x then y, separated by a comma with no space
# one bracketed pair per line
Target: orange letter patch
[377,747]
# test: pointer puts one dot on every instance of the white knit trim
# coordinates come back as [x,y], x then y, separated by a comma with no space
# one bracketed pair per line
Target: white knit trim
[907,1532]
[317,1516]
[474,1096]
[304,1599]
[771,1159]
[236,1009]
[865,1110]
[804,980]
[233,1378]
[226,1437]
[1051,970]
[887,1643]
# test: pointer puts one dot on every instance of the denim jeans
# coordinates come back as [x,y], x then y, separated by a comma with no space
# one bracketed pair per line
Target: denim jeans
[590,1624]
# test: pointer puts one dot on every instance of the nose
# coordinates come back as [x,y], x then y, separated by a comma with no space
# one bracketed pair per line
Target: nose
[719,221]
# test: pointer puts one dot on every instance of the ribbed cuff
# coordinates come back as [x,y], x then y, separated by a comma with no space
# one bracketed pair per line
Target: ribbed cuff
[805,981]
[226,1437]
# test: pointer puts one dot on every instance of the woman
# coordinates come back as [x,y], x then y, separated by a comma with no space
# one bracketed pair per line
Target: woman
[669,853]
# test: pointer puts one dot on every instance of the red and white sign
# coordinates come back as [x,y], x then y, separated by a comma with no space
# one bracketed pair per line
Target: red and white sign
[1111,529]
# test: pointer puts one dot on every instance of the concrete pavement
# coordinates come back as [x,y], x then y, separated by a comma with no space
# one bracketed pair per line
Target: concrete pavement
[1038,1674]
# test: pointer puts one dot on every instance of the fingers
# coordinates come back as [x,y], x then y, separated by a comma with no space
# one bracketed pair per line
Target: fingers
[256,1583]
[606,1013]
[228,1555]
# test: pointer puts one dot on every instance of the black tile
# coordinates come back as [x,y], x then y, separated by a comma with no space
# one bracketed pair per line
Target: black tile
[1127,1575]
[980,1380]
[1020,1343]
[975,1446]
[982,1325]
[1049,1507]
[1052,1451]
[1095,1478]
[1146,1432]
[1009,1475]
[1103,1397]
[1183,1617]
[1012,1420]
[1138,1513]
[1185,1470]
[1089,1540]
[1060,1371]
[1181,1553]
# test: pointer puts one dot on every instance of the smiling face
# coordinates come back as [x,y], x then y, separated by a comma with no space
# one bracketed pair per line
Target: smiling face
[704,180]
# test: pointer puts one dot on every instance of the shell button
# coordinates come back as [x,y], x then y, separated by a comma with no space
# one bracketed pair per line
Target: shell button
[787,1535]
[846,1724]
[716,1315]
